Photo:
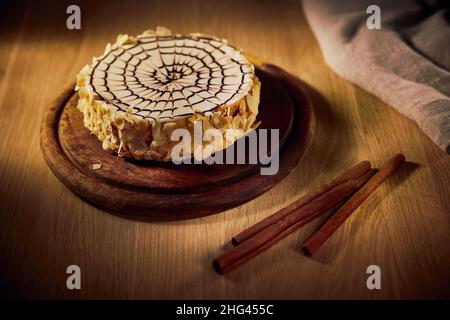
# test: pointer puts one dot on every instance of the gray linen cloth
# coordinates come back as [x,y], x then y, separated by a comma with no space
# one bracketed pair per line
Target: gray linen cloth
[406,63]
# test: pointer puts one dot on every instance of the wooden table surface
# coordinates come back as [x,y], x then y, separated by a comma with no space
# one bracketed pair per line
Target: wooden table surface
[404,227]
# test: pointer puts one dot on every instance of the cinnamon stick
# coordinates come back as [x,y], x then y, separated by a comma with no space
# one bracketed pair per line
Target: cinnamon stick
[315,242]
[354,172]
[281,228]
[308,218]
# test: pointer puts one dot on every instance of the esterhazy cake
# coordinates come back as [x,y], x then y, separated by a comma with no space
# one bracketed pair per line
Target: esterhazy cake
[143,88]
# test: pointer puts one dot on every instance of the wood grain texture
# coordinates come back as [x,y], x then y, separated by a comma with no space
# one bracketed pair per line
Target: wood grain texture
[166,191]
[403,227]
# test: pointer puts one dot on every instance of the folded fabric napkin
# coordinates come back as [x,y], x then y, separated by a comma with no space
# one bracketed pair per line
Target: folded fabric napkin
[406,63]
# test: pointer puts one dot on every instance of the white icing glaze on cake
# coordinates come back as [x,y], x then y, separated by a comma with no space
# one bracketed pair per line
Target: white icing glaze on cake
[171,76]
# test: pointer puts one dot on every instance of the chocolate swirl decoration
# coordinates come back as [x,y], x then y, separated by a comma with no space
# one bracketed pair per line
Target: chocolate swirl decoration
[170,77]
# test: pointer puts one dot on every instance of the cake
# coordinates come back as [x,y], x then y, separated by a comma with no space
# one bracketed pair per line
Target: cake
[143,88]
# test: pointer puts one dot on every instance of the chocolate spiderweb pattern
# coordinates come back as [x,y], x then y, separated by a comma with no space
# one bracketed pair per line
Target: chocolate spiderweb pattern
[169,77]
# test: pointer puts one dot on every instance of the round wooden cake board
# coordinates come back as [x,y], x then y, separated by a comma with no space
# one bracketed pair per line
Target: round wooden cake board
[165,190]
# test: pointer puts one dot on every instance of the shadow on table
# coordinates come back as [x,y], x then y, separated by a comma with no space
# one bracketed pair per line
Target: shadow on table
[328,253]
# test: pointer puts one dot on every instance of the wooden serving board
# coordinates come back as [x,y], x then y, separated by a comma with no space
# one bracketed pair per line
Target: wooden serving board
[165,190]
